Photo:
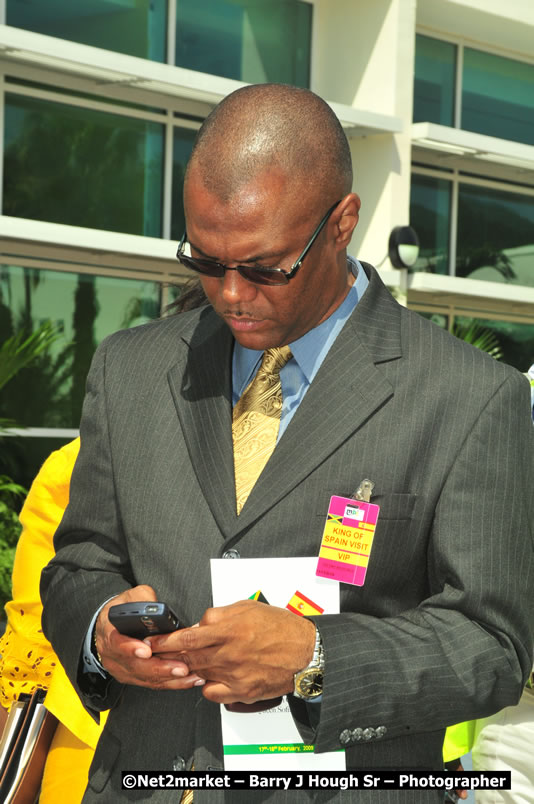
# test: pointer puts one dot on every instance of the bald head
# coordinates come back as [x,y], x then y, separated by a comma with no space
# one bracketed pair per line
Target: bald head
[273,127]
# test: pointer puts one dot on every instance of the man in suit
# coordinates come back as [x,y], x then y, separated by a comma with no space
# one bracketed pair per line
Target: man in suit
[440,630]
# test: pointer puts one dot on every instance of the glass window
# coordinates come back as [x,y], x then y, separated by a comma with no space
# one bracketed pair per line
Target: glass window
[430,217]
[82,167]
[136,27]
[495,235]
[435,66]
[86,308]
[183,145]
[515,340]
[248,41]
[498,96]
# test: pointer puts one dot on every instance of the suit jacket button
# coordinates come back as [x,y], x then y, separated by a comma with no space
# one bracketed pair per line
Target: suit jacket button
[344,737]
[178,764]
[380,732]
[357,735]
[231,553]
[368,734]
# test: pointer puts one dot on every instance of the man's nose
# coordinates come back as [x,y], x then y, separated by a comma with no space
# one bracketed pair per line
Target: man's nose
[235,288]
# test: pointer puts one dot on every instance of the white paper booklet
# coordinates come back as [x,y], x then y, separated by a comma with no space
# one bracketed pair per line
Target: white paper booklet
[270,740]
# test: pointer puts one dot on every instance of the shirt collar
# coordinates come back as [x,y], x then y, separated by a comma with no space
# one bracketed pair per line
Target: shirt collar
[310,350]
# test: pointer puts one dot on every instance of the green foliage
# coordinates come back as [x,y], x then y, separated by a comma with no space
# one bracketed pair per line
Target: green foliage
[479,336]
[26,363]
[10,528]
[483,257]
[16,353]
[8,487]
[21,349]
[50,407]
[81,167]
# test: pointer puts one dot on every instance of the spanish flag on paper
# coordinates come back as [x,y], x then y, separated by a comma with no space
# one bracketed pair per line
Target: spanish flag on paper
[302,605]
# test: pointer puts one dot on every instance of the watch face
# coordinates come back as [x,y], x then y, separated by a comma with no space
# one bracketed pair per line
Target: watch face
[310,684]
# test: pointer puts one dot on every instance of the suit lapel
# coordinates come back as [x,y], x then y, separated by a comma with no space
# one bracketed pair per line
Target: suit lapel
[347,391]
[201,389]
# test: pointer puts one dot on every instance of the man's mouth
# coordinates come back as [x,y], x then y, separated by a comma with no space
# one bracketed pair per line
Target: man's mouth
[241,321]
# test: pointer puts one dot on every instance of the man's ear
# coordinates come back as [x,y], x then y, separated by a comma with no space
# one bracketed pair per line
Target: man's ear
[347,215]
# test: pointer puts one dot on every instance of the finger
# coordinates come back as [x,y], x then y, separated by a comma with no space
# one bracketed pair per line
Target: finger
[154,672]
[130,645]
[120,645]
[221,693]
[224,694]
[123,648]
[167,683]
[175,657]
[119,650]
[153,669]
[143,592]
[187,639]
[105,632]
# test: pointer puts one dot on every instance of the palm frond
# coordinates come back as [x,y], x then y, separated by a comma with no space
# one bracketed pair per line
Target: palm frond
[9,486]
[481,337]
[21,349]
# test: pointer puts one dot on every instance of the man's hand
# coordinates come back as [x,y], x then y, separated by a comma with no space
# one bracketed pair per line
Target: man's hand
[246,652]
[455,766]
[130,660]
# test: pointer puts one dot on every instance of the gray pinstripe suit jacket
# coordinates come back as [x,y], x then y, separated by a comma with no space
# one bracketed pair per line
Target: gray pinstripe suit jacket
[441,630]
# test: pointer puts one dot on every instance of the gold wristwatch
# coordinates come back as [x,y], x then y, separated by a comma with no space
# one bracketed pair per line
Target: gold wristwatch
[309,682]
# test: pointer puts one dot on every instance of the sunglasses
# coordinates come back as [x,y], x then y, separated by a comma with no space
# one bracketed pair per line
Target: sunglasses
[258,275]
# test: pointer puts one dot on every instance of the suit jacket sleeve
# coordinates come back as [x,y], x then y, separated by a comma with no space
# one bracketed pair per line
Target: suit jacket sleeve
[90,541]
[466,650]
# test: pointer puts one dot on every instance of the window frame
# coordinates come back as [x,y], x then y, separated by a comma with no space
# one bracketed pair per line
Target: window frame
[65,260]
[173,10]
[457,177]
[169,118]
[461,43]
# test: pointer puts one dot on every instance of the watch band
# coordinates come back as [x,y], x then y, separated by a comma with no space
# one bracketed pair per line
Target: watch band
[308,683]
[95,649]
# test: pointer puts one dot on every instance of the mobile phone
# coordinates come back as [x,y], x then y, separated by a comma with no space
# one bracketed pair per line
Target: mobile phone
[143,618]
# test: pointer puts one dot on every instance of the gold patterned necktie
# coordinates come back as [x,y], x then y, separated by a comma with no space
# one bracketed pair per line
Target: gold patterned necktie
[256,420]
[255,425]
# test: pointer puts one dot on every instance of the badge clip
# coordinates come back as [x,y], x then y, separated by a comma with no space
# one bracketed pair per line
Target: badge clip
[364,491]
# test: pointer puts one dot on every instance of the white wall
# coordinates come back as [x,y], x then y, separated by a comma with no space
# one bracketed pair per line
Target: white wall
[495,24]
[364,56]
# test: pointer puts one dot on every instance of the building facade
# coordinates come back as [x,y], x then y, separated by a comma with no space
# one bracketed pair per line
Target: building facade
[100,102]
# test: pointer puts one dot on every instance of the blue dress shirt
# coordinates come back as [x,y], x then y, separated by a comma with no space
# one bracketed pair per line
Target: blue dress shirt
[308,352]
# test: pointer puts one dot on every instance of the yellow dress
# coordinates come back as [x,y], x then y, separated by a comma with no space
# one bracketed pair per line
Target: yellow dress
[27,659]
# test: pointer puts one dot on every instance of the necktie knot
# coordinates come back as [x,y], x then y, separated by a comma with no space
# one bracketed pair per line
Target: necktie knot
[274,360]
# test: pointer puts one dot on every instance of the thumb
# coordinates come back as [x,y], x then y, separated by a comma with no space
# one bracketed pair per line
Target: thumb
[141,592]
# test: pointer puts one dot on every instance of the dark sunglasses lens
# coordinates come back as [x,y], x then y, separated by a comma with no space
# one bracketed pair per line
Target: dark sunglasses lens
[215,269]
[260,277]
[202,266]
